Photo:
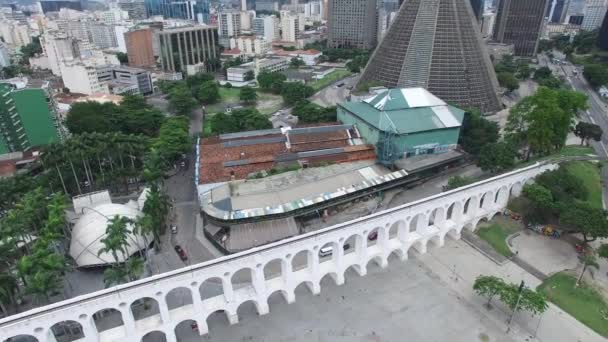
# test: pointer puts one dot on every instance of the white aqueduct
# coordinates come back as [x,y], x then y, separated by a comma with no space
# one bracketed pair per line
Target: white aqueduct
[370,238]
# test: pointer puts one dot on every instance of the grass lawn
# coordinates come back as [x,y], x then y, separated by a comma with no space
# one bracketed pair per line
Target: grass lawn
[329,79]
[567,151]
[589,175]
[583,303]
[230,94]
[496,235]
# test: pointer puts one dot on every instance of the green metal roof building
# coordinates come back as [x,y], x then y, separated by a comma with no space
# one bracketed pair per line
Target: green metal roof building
[404,122]
[27,118]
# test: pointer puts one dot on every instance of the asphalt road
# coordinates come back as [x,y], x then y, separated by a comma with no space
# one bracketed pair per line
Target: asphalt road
[332,95]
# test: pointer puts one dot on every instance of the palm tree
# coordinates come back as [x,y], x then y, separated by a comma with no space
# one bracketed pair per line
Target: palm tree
[134,267]
[42,284]
[116,238]
[8,289]
[587,260]
[114,276]
[157,207]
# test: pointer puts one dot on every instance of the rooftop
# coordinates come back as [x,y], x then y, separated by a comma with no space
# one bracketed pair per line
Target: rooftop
[239,155]
[409,110]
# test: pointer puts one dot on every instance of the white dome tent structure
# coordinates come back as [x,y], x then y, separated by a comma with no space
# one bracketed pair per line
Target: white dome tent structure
[95,211]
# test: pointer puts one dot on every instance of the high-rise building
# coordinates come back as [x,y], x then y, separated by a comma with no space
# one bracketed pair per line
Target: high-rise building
[125,80]
[229,23]
[557,10]
[519,22]
[478,6]
[27,118]
[436,45]
[197,10]
[140,48]
[55,5]
[290,26]
[352,24]
[594,13]
[58,47]
[602,38]
[194,46]
[101,35]
[267,5]
[135,8]
[264,27]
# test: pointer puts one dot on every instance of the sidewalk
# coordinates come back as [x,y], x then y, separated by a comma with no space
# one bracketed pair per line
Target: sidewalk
[458,265]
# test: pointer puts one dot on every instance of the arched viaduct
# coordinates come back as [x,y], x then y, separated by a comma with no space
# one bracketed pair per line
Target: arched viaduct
[142,308]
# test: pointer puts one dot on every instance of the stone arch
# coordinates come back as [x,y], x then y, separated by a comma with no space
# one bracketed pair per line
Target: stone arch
[67,331]
[154,336]
[469,226]
[377,259]
[470,206]
[217,318]
[178,297]
[374,235]
[486,200]
[301,260]
[107,319]
[249,307]
[334,248]
[22,338]
[144,307]
[437,217]
[211,287]
[242,278]
[399,253]
[418,223]
[355,268]
[275,297]
[353,242]
[502,196]
[323,280]
[187,330]
[393,231]
[275,268]
[436,240]
[515,190]
[454,212]
[308,285]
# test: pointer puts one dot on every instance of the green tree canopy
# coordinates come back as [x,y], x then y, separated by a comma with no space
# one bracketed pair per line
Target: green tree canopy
[497,157]
[476,132]
[296,62]
[271,81]
[239,120]
[596,75]
[181,100]
[308,112]
[90,116]
[586,131]
[209,93]
[248,95]
[591,222]
[507,80]
[249,75]
[458,181]
[293,92]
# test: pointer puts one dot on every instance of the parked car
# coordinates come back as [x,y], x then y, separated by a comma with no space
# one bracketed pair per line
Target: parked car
[173,229]
[373,236]
[328,250]
[181,253]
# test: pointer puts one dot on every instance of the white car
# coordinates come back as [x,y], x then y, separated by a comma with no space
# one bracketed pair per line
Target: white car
[173,229]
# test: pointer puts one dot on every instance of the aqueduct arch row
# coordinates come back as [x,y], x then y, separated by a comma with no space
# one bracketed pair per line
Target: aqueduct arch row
[215,290]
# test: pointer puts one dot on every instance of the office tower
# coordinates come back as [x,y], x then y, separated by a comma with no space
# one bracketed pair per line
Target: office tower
[267,5]
[290,26]
[188,46]
[594,13]
[352,24]
[265,27]
[557,10]
[135,8]
[229,23]
[519,22]
[27,118]
[197,10]
[101,35]
[478,6]
[140,51]
[602,38]
[436,45]
[54,6]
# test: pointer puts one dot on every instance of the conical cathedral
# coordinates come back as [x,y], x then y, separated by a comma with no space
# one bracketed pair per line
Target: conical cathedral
[436,44]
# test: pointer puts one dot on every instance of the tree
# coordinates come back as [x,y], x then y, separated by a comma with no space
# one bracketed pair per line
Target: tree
[476,132]
[239,120]
[114,276]
[8,289]
[92,116]
[496,157]
[248,95]
[181,100]
[588,260]
[293,92]
[308,112]
[209,93]
[249,76]
[523,70]
[296,62]
[156,208]
[489,286]
[542,202]
[602,251]
[358,62]
[586,131]
[271,81]
[138,117]
[507,80]
[581,218]
[596,74]
[116,238]
[542,73]
[519,297]
[173,140]
[457,182]
[122,57]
